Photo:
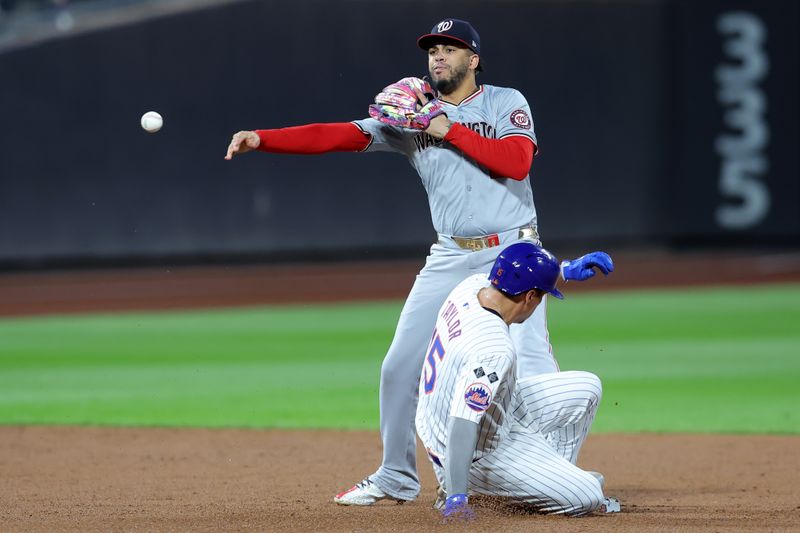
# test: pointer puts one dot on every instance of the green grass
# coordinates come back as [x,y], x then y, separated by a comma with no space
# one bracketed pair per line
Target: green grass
[699,360]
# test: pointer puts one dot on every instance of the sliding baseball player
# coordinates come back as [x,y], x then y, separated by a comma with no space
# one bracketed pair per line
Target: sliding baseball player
[487,432]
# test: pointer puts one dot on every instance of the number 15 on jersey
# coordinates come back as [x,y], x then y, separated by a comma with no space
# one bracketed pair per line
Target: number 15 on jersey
[435,351]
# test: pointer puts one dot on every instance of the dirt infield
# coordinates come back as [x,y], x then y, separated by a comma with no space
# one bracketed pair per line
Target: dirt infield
[123,479]
[100,479]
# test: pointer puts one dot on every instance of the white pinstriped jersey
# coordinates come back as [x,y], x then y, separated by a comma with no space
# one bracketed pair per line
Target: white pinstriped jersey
[469,372]
[529,432]
[464,198]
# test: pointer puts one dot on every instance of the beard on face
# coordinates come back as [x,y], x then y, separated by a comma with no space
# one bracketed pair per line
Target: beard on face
[447,86]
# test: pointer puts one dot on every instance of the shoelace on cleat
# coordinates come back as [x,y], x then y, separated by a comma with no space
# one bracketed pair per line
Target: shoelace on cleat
[367,482]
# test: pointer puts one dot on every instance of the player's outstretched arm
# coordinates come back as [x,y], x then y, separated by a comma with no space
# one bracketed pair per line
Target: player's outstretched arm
[243,141]
[582,268]
[462,437]
[307,139]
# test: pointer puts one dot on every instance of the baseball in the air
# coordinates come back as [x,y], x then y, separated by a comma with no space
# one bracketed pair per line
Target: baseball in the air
[152,122]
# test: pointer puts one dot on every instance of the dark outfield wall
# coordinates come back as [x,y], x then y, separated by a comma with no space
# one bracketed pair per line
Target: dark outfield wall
[735,123]
[658,122]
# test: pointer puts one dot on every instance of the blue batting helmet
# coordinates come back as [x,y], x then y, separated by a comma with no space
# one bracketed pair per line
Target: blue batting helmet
[524,266]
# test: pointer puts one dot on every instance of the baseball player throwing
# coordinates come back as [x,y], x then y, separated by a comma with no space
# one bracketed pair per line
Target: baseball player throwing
[484,430]
[472,146]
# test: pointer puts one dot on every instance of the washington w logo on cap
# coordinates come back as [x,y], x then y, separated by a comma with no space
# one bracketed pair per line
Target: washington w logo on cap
[444,25]
[456,30]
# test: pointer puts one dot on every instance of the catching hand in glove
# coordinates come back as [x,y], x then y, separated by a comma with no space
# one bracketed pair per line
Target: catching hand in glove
[408,103]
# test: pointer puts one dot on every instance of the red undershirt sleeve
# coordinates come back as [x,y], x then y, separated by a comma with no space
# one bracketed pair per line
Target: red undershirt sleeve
[509,157]
[314,139]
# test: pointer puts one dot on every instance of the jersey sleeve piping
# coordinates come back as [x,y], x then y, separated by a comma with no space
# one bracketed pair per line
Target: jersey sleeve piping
[368,135]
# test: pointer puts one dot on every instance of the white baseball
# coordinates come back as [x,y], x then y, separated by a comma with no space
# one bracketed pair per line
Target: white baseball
[152,122]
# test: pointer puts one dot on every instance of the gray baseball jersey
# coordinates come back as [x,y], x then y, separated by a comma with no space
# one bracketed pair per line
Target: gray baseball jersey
[469,373]
[464,200]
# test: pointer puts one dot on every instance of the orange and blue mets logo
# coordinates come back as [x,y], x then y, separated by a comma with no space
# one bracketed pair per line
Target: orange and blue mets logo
[478,397]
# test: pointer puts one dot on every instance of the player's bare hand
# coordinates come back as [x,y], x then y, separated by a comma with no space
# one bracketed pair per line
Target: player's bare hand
[242,142]
[439,127]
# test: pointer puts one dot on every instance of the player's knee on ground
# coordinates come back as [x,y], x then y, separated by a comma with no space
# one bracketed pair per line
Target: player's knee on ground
[585,497]
[585,507]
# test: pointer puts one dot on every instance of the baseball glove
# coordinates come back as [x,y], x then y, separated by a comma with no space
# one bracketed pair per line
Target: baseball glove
[399,105]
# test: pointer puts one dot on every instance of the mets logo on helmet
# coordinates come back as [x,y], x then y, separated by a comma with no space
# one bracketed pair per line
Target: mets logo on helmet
[478,397]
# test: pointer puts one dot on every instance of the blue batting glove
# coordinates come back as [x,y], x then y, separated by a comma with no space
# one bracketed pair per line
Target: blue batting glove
[456,509]
[582,268]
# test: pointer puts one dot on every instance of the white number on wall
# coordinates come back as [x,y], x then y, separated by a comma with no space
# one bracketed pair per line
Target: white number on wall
[742,148]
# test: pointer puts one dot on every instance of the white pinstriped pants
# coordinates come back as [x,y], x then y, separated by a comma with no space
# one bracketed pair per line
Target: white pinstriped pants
[534,464]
